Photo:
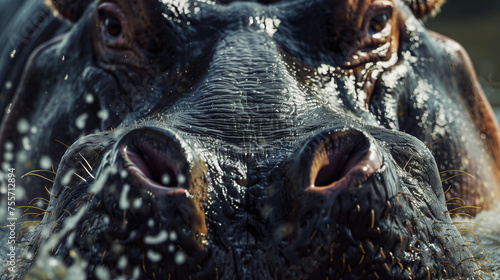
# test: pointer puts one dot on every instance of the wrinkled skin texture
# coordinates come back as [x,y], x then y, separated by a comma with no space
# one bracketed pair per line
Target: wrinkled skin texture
[246,140]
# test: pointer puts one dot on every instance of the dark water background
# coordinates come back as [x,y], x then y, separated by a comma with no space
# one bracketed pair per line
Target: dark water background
[475,25]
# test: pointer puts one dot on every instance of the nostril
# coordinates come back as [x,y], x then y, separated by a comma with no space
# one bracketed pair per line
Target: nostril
[157,169]
[154,172]
[155,160]
[333,160]
[346,156]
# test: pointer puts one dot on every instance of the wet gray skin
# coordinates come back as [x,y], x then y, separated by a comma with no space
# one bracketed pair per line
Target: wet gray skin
[245,140]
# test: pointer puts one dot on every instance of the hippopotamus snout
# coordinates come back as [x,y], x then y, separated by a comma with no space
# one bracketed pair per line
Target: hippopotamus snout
[153,181]
[158,193]
[159,167]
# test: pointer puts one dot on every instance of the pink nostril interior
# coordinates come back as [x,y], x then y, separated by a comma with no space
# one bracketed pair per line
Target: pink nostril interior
[351,162]
[155,168]
[333,171]
[140,163]
[338,164]
[327,175]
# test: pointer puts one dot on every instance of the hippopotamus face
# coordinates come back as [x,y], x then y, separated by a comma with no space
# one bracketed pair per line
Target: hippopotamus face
[244,140]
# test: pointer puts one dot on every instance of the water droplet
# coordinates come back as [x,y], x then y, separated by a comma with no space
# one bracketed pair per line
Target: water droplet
[81,121]
[124,203]
[20,192]
[53,262]
[9,146]
[23,126]
[8,109]
[102,273]
[136,273]
[28,256]
[45,162]
[71,239]
[137,203]
[180,258]
[155,240]
[22,156]
[13,54]
[182,179]
[66,77]
[165,179]
[8,156]
[89,98]
[8,85]
[173,235]
[122,262]
[103,114]
[189,195]
[26,143]
[67,177]
[154,256]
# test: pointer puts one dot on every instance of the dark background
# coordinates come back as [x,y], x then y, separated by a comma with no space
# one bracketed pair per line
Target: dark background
[475,25]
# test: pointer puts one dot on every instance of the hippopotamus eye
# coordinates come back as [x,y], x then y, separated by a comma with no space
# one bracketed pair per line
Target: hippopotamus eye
[378,23]
[113,26]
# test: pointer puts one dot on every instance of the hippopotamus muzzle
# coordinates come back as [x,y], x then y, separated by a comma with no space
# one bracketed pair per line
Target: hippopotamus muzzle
[331,203]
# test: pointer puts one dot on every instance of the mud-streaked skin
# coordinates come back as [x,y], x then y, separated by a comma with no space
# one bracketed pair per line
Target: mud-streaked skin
[245,140]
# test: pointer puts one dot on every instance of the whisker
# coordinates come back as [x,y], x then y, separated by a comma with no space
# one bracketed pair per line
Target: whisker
[442,181]
[459,171]
[41,198]
[433,143]
[90,174]
[50,192]
[456,198]
[86,161]
[60,142]
[464,207]
[404,168]
[445,191]
[32,207]
[31,173]
[80,177]
[39,170]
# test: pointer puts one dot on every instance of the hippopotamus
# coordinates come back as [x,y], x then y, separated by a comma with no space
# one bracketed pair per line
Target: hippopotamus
[201,139]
